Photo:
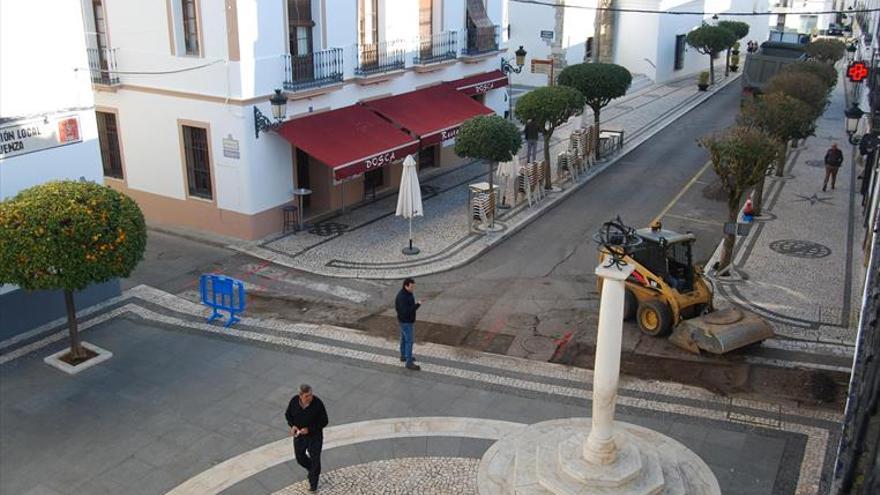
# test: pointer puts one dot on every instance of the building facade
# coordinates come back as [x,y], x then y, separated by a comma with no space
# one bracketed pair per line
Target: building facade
[645,43]
[47,128]
[177,83]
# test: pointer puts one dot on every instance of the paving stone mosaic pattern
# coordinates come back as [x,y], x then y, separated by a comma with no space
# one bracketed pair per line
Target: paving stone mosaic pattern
[422,475]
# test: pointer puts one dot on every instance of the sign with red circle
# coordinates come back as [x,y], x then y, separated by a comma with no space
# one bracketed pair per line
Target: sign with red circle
[857,71]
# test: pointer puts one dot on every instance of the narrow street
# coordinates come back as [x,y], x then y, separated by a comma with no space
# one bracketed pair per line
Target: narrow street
[535,295]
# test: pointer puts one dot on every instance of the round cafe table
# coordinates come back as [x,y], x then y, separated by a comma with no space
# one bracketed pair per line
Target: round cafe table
[300,192]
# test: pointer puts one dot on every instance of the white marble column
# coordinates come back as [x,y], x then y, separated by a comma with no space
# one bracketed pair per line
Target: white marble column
[600,447]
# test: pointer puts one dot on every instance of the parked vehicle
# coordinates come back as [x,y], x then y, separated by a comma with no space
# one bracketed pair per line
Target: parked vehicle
[834,30]
[771,56]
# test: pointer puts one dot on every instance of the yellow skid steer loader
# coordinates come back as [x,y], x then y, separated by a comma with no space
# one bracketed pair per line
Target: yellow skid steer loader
[667,294]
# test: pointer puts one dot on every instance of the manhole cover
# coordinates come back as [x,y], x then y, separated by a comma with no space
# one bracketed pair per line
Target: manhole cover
[427,189]
[538,344]
[815,163]
[800,249]
[328,228]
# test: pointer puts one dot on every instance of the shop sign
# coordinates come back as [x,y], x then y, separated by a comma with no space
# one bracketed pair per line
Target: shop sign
[546,35]
[21,138]
[382,159]
[230,147]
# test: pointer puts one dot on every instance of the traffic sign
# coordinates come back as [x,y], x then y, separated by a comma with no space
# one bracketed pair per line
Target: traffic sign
[857,71]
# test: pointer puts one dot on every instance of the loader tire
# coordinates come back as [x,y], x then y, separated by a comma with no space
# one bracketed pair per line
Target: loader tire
[654,318]
[630,305]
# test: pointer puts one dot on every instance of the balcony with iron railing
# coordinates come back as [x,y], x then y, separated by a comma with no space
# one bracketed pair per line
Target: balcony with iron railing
[380,58]
[480,41]
[436,48]
[102,66]
[313,70]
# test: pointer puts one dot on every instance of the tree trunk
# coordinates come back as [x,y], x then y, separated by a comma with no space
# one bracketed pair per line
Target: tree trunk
[758,197]
[596,137]
[76,350]
[729,240]
[548,183]
[711,68]
[780,162]
[727,64]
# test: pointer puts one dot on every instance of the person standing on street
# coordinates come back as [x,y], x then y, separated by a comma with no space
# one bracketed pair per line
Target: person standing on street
[833,161]
[307,418]
[531,133]
[406,307]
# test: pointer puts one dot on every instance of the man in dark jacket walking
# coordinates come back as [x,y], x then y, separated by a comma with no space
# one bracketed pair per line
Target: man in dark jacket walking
[531,131]
[833,161]
[406,307]
[307,419]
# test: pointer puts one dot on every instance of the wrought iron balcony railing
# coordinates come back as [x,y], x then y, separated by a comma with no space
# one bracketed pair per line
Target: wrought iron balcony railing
[312,70]
[436,48]
[102,66]
[480,40]
[377,58]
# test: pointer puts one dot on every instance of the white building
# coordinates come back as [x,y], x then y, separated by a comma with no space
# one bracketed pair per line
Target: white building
[800,16]
[181,80]
[645,43]
[47,127]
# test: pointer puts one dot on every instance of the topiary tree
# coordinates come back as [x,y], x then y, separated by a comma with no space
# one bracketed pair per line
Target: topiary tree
[740,30]
[824,72]
[549,107]
[68,235]
[739,157]
[826,50]
[490,138]
[805,87]
[710,40]
[783,118]
[599,84]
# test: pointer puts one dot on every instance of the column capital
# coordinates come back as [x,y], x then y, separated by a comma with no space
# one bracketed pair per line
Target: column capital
[613,272]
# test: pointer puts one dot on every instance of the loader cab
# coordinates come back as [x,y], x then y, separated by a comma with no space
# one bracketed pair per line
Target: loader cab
[668,255]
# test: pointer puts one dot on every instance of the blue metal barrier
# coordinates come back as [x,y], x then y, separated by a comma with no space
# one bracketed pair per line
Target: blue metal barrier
[222,293]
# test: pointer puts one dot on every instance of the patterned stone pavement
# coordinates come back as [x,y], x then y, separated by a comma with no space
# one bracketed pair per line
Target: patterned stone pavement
[370,248]
[195,406]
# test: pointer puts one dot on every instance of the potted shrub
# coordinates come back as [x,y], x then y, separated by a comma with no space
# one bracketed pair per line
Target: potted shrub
[703,82]
[734,61]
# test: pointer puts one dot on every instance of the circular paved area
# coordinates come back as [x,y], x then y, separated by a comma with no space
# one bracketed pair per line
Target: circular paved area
[423,475]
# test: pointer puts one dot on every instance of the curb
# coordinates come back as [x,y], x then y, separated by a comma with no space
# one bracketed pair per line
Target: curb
[425,270]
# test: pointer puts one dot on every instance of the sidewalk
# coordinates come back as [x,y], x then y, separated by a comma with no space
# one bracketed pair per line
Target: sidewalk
[800,266]
[185,407]
[369,246]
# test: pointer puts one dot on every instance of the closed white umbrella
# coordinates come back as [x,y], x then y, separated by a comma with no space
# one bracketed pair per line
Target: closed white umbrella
[507,170]
[409,198]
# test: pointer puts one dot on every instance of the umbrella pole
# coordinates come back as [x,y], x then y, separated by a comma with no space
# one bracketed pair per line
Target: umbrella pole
[492,195]
[410,250]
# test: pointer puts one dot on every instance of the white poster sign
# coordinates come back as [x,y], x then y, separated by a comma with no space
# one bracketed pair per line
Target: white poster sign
[23,137]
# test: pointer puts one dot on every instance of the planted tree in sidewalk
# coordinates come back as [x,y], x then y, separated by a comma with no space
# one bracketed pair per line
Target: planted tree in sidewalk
[599,84]
[549,107]
[826,73]
[826,50]
[710,40]
[805,87]
[740,30]
[739,157]
[68,235]
[490,138]
[783,118]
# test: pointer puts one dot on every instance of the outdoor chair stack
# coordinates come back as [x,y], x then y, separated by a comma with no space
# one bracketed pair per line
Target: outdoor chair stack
[564,162]
[483,205]
[528,181]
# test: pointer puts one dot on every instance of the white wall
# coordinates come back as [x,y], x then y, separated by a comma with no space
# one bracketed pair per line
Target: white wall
[630,50]
[526,23]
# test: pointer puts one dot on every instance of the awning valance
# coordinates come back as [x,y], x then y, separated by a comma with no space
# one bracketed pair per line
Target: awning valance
[432,114]
[350,140]
[480,83]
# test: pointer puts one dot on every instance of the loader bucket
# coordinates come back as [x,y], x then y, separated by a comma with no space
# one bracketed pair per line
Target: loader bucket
[721,331]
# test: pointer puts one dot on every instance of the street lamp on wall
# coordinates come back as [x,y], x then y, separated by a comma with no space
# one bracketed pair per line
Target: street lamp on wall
[851,52]
[516,67]
[853,116]
[279,111]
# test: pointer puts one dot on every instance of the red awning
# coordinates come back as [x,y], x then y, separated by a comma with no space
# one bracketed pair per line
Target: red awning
[480,83]
[351,140]
[433,114]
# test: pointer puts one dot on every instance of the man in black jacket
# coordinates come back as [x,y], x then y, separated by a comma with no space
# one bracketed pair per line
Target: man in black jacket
[307,418]
[406,307]
[833,161]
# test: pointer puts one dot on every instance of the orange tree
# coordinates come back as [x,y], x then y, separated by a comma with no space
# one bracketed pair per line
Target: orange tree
[549,107]
[68,235]
[826,50]
[739,157]
[599,83]
[825,72]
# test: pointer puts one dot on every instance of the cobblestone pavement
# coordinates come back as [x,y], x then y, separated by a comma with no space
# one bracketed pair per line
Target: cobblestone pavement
[183,400]
[800,267]
[371,245]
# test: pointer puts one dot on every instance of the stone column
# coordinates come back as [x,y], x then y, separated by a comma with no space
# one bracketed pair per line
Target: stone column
[600,447]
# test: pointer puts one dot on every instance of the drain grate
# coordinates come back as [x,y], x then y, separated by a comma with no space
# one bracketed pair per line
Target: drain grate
[325,229]
[800,249]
